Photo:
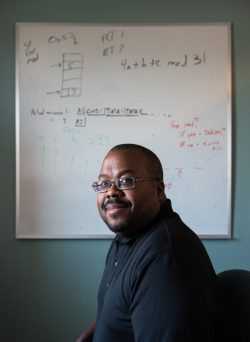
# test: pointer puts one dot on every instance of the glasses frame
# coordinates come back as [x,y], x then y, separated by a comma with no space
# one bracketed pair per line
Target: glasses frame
[116,182]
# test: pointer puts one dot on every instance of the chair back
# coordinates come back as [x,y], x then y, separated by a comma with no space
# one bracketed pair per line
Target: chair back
[234,286]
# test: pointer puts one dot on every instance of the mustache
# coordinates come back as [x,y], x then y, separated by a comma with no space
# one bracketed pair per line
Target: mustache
[115,201]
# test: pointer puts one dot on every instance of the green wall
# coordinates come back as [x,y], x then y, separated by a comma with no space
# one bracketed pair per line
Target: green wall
[47,287]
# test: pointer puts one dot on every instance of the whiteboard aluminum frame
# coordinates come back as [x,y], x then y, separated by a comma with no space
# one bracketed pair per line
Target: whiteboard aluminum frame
[109,235]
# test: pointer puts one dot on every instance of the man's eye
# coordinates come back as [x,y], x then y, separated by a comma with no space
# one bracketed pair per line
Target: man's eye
[104,184]
[126,181]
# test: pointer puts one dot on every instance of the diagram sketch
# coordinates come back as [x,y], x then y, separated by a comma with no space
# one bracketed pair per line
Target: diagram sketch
[72,67]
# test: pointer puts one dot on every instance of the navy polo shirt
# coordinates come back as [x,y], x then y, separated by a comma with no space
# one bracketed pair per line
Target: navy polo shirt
[158,286]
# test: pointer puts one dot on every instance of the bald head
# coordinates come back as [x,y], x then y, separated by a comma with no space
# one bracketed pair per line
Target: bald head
[154,166]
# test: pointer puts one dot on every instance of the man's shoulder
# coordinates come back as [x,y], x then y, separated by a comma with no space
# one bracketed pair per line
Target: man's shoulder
[172,235]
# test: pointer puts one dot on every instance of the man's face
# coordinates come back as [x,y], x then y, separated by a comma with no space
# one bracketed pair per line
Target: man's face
[128,211]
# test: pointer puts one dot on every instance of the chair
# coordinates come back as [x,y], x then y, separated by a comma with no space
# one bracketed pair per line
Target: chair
[234,286]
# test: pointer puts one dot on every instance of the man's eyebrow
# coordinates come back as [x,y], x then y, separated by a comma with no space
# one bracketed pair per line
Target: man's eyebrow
[102,175]
[105,176]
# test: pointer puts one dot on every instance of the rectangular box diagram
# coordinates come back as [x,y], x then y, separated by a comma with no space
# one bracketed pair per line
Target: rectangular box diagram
[72,67]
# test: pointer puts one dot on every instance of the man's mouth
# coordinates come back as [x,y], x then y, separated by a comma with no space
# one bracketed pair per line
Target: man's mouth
[115,206]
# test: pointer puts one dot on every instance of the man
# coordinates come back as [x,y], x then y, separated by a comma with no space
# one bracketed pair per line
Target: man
[158,284]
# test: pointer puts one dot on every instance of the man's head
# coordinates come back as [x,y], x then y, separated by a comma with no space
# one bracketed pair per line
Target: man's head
[129,210]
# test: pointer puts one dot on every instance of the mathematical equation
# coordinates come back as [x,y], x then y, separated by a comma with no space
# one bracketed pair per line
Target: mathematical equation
[146,63]
[65,37]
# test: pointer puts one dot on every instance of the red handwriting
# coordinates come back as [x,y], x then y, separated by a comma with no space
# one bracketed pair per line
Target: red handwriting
[191,136]
[174,124]
[214,131]
[192,124]
[187,124]
[168,186]
[212,145]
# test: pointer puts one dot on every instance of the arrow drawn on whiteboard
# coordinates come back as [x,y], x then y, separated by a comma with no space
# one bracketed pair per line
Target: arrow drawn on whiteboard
[53,92]
[56,65]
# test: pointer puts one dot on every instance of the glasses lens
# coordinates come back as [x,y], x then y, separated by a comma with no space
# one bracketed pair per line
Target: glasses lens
[101,187]
[104,186]
[126,183]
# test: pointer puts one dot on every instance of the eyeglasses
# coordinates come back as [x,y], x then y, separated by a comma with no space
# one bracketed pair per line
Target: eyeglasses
[121,183]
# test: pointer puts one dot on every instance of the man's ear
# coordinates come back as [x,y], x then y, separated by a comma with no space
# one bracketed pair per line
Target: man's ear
[161,192]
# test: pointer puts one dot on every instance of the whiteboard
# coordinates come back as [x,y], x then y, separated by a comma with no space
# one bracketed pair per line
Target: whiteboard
[82,88]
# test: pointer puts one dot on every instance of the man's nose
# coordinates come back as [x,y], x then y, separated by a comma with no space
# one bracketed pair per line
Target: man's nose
[113,191]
